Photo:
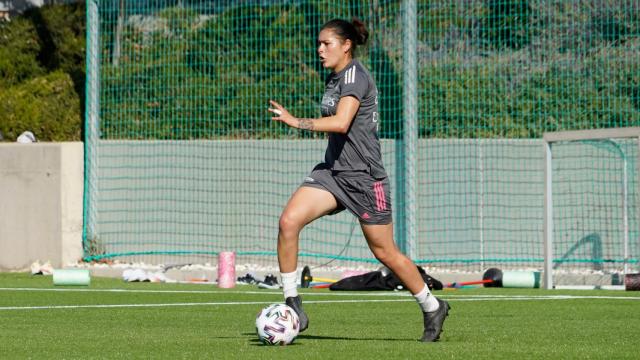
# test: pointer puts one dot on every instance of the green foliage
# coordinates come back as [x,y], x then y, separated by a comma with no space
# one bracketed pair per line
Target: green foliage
[205,82]
[42,73]
[469,101]
[46,105]
[389,92]
[19,49]
[473,100]
[493,69]
[214,77]
[61,30]
[581,26]
[179,20]
[487,68]
[507,23]
[519,68]
[441,22]
[276,65]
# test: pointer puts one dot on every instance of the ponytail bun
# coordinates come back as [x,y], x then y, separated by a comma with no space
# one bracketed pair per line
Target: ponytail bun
[361,31]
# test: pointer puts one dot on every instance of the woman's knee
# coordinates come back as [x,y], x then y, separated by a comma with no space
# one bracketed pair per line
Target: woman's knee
[391,257]
[289,223]
[385,254]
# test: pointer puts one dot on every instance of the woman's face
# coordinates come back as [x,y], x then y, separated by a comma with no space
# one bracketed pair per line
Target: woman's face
[332,50]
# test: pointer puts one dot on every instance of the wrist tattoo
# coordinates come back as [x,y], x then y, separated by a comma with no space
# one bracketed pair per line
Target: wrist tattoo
[305,124]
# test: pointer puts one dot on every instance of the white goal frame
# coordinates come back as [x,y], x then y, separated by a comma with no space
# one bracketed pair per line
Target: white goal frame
[548,139]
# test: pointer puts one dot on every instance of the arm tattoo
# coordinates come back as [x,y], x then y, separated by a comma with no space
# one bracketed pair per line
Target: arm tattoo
[305,124]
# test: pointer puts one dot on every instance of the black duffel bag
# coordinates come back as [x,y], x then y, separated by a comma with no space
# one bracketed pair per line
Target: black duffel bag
[381,280]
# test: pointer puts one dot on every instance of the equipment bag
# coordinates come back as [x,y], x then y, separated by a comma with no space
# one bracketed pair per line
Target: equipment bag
[381,280]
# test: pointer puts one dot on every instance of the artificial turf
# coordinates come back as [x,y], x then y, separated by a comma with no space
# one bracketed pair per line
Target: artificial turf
[114,319]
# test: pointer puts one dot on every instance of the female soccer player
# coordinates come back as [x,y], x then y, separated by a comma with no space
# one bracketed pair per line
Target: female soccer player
[352,175]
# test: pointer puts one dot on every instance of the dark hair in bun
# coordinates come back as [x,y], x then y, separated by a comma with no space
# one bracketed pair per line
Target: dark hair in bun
[354,31]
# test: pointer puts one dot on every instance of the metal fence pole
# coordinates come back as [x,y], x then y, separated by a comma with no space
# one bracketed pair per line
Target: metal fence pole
[92,122]
[410,129]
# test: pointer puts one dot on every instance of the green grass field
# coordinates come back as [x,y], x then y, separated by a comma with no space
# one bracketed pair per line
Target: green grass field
[114,319]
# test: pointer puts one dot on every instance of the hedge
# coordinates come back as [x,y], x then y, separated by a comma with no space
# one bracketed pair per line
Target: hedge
[46,105]
[493,68]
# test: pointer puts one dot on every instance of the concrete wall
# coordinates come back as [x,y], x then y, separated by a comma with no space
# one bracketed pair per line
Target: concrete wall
[41,189]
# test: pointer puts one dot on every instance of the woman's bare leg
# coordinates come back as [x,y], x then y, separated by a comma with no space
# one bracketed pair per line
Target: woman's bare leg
[435,311]
[304,206]
[381,243]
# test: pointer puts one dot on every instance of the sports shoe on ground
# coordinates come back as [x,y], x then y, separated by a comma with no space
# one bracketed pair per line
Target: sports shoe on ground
[248,279]
[433,322]
[295,302]
[270,282]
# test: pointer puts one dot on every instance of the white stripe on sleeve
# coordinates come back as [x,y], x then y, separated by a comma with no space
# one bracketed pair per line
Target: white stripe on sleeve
[350,75]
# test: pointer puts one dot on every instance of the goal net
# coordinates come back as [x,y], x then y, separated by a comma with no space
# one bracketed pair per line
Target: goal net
[591,206]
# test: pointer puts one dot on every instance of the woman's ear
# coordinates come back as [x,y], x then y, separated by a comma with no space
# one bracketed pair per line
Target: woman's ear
[346,46]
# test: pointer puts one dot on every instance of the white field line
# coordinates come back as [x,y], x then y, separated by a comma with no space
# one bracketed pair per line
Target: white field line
[450,296]
[215,292]
[454,298]
[107,306]
[358,301]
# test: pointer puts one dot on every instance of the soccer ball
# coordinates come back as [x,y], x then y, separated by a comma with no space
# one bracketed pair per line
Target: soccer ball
[277,324]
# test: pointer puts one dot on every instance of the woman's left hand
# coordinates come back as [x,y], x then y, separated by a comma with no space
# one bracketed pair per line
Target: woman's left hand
[282,114]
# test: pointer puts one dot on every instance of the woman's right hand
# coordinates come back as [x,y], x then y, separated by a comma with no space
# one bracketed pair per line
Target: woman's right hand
[282,114]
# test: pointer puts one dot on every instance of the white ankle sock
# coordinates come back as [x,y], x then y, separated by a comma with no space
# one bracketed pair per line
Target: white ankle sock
[426,300]
[289,284]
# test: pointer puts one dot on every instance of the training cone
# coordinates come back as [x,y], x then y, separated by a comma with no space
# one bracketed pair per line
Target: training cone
[511,279]
[79,277]
[227,269]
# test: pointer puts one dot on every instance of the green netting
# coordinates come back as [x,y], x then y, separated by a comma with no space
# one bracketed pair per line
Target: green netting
[595,205]
[183,161]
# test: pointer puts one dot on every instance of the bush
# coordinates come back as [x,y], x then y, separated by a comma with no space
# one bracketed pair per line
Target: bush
[42,73]
[211,79]
[46,105]
[61,30]
[182,77]
[20,46]
[487,68]
[507,23]
[466,100]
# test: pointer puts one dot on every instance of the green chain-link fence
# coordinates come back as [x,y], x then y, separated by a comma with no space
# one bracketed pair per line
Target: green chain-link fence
[183,160]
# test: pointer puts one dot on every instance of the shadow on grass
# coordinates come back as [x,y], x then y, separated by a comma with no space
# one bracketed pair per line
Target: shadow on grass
[254,339]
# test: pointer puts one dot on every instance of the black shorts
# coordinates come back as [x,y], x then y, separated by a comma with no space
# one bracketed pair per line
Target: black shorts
[359,192]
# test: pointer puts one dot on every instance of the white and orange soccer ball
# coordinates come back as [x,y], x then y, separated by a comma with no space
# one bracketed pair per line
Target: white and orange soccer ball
[277,324]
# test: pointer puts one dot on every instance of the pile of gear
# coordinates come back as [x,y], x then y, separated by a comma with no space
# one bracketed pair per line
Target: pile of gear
[270,281]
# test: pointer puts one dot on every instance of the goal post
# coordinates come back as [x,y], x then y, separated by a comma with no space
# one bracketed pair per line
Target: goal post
[621,142]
